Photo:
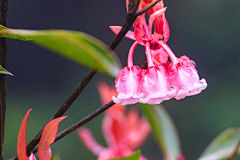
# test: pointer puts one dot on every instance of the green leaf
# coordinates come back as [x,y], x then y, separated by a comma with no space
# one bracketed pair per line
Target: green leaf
[4,71]
[135,156]
[164,130]
[6,33]
[76,46]
[56,156]
[223,145]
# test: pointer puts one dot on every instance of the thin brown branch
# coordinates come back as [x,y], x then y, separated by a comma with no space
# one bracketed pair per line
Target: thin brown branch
[3,78]
[80,123]
[131,17]
[145,9]
[235,151]
[135,7]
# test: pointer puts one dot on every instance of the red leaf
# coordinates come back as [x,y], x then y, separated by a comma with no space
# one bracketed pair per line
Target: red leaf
[48,137]
[21,142]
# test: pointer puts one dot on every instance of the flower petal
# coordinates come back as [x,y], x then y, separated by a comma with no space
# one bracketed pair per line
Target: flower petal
[88,140]
[184,78]
[138,129]
[156,87]
[129,85]
[112,128]
[117,29]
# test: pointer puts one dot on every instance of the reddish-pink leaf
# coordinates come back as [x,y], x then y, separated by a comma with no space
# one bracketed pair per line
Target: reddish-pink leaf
[117,29]
[88,140]
[21,142]
[48,137]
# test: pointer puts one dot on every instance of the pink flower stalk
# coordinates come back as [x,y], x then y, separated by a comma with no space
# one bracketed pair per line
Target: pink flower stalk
[123,132]
[183,75]
[129,82]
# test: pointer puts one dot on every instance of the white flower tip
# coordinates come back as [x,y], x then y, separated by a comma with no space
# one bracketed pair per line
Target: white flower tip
[124,96]
[181,94]
[172,92]
[204,82]
[138,96]
[157,95]
[129,101]
[201,85]
[116,100]
[144,99]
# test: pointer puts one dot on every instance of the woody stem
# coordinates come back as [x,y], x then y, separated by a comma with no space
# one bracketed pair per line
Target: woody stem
[3,78]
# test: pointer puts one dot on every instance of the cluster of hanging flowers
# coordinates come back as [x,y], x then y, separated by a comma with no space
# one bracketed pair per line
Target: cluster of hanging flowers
[163,79]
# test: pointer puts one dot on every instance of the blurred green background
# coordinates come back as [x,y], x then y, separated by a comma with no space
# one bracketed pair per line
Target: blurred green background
[207,31]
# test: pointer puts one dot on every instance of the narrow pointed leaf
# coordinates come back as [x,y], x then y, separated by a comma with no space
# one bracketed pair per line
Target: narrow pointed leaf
[164,130]
[48,137]
[21,141]
[12,36]
[135,156]
[76,46]
[4,71]
[223,145]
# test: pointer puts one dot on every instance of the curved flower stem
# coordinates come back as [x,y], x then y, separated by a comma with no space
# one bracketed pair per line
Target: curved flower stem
[3,78]
[130,54]
[148,55]
[169,52]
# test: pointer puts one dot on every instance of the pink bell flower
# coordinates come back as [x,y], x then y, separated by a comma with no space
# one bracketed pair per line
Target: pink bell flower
[156,87]
[123,132]
[183,75]
[129,82]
